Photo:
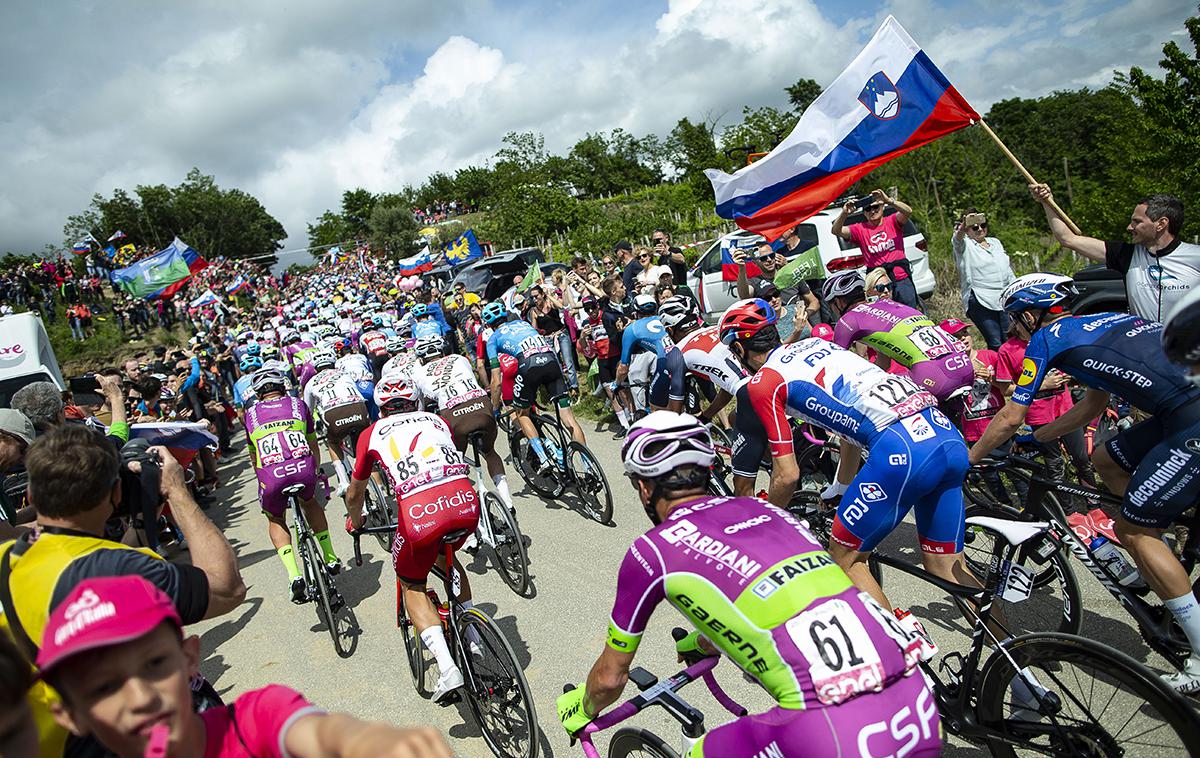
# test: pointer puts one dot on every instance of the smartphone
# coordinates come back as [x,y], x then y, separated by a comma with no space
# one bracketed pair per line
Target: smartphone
[87,384]
[863,202]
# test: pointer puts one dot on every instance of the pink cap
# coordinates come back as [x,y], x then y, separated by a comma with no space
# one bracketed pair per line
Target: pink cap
[823,331]
[102,612]
[954,325]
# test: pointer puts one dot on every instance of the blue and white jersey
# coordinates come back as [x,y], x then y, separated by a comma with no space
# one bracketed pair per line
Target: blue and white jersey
[646,335]
[518,339]
[357,366]
[243,394]
[426,327]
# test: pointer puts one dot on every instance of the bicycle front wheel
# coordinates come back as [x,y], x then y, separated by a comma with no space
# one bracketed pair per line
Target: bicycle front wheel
[547,485]
[496,688]
[630,741]
[590,483]
[378,510]
[508,544]
[330,605]
[1084,699]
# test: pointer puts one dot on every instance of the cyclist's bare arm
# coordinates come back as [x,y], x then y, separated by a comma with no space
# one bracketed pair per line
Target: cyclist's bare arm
[1088,408]
[606,680]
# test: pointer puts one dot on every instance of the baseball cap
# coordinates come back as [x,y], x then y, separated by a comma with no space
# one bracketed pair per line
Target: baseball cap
[954,325]
[17,424]
[102,612]
[623,245]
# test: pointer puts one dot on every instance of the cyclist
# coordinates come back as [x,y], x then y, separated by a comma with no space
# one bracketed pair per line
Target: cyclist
[759,589]
[704,355]
[1152,464]
[334,398]
[446,385]
[374,345]
[424,324]
[283,449]
[897,332]
[917,456]
[435,497]
[537,366]
[359,369]
[243,391]
[649,335]
[1181,334]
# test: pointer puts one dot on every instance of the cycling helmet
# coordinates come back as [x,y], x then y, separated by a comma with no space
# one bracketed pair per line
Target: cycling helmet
[644,304]
[392,395]
[394,345]
[1181,331]
[429,346]
[663,441]
[266,378]
[377,319]
[420,310]
[322,359]
[404,330]
[823,332]
[842,284]
[494,313]
[341,345]
[289,337]
[243,337]
[324,330]
[746,319]
[250,363]
[1045,291]
[676,310]
[253,348]
[269,352]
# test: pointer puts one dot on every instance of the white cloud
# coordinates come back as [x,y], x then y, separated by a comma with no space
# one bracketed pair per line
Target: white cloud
[298,101]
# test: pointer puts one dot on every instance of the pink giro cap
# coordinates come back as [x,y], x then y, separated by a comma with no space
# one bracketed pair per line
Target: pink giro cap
[954,325]
[823,331]
[102,612]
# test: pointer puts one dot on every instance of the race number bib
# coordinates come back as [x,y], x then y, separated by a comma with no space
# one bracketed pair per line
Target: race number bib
[932,341]
[533,345]
[842,660]
[898,395]
[270,450]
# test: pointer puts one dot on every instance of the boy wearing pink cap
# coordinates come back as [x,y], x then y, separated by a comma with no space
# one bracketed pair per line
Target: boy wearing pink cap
[116,653]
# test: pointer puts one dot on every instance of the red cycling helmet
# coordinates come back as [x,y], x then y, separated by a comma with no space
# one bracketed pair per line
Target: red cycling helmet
[745,319]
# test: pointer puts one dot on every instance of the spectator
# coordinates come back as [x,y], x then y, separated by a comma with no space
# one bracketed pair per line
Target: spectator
[647,277]
[18,732]
[629,265]
[877,285]
[790,318]
[42,403]
[545,312]
[669,255]
[74,322]
[769,262]
[1159,267]
[75,486]
[16,434]
[984,270]
[881,240]
[81,649]
[608,267]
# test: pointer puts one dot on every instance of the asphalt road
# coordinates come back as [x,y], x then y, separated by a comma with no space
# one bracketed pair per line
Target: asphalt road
[556,634]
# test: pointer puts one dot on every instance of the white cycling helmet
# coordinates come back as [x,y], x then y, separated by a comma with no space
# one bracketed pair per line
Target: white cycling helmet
[393,395]
[663,441]
[322,358]
[265,378]
[394,345]
[842,284]
[676,310]
[429,345]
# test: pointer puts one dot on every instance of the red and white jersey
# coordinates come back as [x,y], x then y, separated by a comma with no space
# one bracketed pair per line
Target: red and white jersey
[374,342]
[330,389]
[415,450]
[707,356]
[446,382]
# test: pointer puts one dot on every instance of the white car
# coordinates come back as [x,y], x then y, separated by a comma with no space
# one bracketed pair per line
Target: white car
[705,278]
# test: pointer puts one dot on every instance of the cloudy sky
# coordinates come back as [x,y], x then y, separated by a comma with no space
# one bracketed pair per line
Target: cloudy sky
[297,101]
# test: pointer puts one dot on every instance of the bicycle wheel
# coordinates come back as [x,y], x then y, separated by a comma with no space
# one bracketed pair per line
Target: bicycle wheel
[589,481]
[1054,603]
[979,559]
[1098,701]
[418,657]
[528,465]
[377,511]
[330,601]
[496,689]
[509,547]
[630,741]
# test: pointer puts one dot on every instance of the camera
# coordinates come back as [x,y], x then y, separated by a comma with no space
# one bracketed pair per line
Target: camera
[140,497]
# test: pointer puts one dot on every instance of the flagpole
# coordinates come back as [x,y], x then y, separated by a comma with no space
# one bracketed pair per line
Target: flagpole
[1028,176]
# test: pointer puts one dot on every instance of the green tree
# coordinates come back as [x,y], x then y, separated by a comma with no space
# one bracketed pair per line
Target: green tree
[691,149]
[761,129]
[357,205]
[474,185]
[600,164]
[330,229]
[802,94]
[393,229]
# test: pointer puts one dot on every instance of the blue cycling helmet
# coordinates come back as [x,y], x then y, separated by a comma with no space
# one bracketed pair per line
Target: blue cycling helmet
[1044,291]
[494,313]
[420,310]
[253,348]
[250,363]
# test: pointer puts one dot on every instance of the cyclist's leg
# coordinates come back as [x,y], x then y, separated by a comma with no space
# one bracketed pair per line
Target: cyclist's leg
[274,506]
[940,512]
[1117,459]
[314,511]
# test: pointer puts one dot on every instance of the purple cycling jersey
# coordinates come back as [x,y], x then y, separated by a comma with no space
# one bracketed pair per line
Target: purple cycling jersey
[934,359]
[752,579]
[280,433]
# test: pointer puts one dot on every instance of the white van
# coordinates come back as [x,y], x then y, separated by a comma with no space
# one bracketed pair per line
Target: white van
[705,278]
[25,356]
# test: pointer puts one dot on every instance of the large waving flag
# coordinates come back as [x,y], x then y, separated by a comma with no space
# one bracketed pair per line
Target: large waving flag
[238,284]
[465,248]
[162,274]
[82,247]
[195,264]
[890,100]
[208,298]
[417,264]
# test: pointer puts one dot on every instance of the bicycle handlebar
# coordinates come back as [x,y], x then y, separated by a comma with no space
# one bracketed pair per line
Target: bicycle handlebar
[357,534]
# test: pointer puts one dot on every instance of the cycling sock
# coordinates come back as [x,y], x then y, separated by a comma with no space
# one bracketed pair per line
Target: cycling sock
[623,417]
[288,556]
[501,482]
[472,632]
[435,641]
[339,469]
[538,448]
[1185,610]
[326,546]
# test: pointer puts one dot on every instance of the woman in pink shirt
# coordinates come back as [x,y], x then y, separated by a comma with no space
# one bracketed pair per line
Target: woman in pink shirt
[880,237]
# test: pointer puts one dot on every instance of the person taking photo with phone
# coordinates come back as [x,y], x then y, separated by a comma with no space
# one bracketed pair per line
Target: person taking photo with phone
[880,237]
[984,270]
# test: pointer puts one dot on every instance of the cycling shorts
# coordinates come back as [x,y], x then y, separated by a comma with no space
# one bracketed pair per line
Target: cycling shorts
[607,368]
[944,377]
[921,462]
[1165,466]
[346,421]
[669,375]
[424,517]
[273,480]
[901,719]
[541,370]
[471,416]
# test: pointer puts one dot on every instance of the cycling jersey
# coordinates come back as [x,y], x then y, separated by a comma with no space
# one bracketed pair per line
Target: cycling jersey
[280,432]
[330,389]
[707,356]
[243,393]
[520,340]
[755,581]
[297,352]
[650,336]
[447,382]
[935,361]
[374,342]
[400,366]
[357,366]
[426,327]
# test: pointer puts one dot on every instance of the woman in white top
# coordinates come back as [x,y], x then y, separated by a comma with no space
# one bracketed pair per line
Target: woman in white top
[983,272]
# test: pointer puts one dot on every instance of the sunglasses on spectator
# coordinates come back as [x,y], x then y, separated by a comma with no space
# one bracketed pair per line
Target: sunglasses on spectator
[883,287]
[977,227]
[875,207]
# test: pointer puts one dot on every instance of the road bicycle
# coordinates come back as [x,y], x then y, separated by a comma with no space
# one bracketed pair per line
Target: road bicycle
[498,528]
[319,586]
[377,505]
[571,464]
[1046,557]
[493,682]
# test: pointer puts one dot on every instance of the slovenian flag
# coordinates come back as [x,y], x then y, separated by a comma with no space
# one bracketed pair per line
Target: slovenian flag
[117,235]
[889,101]
[180,435]
[729,267]
[82,247]
[238,284]
[417,264]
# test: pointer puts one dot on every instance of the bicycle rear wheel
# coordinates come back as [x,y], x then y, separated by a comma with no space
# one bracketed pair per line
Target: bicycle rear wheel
[329,601]
[378,510]
[630,741]
[509,547]
[496,689]
[591,484]
[528,465]
[1097,701]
